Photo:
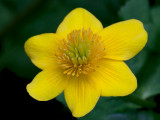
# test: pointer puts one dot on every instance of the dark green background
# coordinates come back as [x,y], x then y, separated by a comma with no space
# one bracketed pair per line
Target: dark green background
[21,19]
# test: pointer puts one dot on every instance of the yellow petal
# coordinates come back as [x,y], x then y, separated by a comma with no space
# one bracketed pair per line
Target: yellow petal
[77,19]
[115,78]
[81,95]
[41,49]
[124,40]
[47,85]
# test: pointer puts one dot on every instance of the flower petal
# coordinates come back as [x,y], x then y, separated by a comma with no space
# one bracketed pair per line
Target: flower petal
[47,85]
[115,78]
[41,49]
[81,95]
[77,19]
[124,40]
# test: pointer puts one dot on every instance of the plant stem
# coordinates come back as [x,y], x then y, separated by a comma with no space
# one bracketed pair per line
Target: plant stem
[141,102]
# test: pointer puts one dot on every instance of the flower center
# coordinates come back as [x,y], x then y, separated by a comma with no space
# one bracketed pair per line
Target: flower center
[80,52]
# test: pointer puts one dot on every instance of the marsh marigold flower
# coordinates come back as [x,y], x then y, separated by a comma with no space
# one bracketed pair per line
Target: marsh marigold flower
[85,60]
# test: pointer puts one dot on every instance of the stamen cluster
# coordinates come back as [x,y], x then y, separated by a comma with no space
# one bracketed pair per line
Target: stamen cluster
[80,52]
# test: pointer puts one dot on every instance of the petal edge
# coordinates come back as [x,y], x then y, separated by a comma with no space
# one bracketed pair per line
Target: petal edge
[81,95]
[47,85]
[41,49]
[77,19]
[115,78]
[123,40]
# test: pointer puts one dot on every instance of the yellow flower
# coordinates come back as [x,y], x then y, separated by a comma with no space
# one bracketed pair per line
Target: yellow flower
[85,60]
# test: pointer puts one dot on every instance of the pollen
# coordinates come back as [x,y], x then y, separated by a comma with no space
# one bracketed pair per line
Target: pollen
[80,52]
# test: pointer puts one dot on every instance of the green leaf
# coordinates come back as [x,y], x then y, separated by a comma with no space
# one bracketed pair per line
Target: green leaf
[152,35]
[15,59]
[17,6]
[6,15]
[104,107]
[61,99]
[149,78]
[45,22]
[152,86]
[155,13]
[107,106]
[4,53]
[104,10]
[133,115]
[136,63]
[135,9]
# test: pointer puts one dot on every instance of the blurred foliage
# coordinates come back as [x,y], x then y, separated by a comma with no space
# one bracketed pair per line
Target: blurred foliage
[21,19]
